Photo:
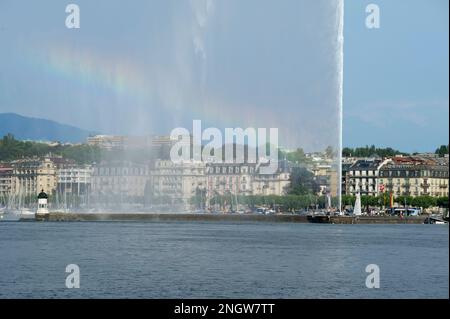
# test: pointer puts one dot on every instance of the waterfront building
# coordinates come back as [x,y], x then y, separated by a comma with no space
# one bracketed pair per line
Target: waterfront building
[326,177]
[344,181]
[272,184]
[246,179]
[176,183]
[31,175]
[230,178]
[415,176]
[74,180]
[346,163]
[115,182]
[6,177]
[362,176]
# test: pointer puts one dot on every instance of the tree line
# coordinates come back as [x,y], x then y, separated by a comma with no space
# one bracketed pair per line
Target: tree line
[291,202]
[370,151]
[286,202]
[13,149]
[382,200]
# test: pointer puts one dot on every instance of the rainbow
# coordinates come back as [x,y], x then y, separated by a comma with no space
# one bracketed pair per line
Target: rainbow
[123,78]
[90,69]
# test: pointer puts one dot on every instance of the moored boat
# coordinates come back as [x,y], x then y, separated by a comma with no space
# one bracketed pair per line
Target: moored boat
[16,215]
[435,220]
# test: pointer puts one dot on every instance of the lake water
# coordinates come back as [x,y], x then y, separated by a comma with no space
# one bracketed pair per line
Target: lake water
[222,260]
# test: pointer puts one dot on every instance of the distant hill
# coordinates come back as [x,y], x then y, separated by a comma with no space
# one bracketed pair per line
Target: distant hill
[28,128]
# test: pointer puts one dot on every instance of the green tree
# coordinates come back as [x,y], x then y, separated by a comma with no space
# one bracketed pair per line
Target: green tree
[302,182]
[402,200]
[369,151]
[348,200]
[424,201]
[199,199]
[442,202]
[442,150]
[12,149]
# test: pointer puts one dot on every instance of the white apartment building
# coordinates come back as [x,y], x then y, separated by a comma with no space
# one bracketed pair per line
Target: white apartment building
[118,182]
[6,177]
[362,177]
[74,180]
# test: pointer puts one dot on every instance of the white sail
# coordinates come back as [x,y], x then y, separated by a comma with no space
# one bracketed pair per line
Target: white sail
[357,208]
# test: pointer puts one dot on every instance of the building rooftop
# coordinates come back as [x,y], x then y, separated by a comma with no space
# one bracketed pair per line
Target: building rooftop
[365,165]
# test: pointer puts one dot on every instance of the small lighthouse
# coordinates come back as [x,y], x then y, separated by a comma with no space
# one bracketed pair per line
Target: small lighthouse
[42,211]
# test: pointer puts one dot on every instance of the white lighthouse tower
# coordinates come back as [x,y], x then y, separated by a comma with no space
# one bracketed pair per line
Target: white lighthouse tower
[42,205]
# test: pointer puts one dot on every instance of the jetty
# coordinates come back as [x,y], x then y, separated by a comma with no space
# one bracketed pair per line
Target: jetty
[217,217]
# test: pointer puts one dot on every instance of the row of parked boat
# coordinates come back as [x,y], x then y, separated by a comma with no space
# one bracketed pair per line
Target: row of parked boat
[17,214]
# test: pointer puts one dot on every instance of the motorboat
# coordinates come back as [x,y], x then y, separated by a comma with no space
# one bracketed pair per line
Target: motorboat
[435,220]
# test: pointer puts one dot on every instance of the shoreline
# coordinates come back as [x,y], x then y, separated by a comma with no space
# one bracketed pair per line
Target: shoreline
[193,217]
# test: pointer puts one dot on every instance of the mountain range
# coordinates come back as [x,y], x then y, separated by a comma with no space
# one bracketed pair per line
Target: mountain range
[36,129]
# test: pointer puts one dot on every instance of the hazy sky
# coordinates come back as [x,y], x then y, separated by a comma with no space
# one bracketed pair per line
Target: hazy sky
[396,77]
[149,66]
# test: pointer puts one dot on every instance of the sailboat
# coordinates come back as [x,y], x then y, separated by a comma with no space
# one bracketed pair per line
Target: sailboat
[238,209]
[445,218]
[357,208]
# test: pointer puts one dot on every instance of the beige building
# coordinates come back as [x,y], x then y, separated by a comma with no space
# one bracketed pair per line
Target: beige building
[245,179]
[32,175]
[271,184]
[236,179]
[118,182]
[326,177]
[415,176]
[6,177]
[176,182]
[181,181]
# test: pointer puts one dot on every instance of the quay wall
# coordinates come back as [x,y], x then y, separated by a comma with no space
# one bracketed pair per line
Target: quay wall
[191,217]
[377,220]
